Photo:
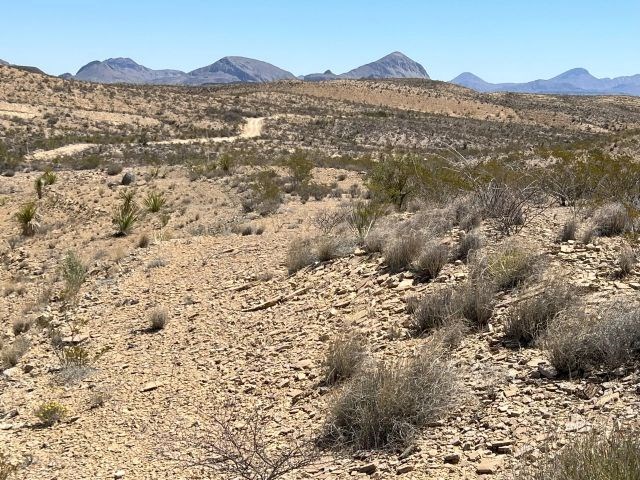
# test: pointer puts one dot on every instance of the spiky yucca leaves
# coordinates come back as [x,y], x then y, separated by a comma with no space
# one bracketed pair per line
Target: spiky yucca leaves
[126,215]
[155,201]
[28,219]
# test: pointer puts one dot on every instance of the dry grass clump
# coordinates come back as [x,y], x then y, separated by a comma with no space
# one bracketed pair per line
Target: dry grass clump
[304,252]
[475,303]
[28,219]
[597,455]
[611,219]
[400,253]
[6,467]
[158,318]
[569,230]
[10,354]
[430,261]
[508,268]
[387,403]
[577,342]
[343,358]
[627,260]
[529,319]
[433,311]
[144,241]
[300,254]
[21,325]
[469,243]
[589,235]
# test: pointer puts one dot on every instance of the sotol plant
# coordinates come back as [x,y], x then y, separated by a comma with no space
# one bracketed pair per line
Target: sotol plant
[126,215]
[155,201]
[27,217]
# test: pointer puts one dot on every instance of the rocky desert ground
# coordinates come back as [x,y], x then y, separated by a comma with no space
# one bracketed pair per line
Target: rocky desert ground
[349,279]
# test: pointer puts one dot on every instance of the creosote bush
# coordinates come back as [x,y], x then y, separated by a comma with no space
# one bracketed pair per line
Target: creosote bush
[344,357]
[385,404]
[596,455]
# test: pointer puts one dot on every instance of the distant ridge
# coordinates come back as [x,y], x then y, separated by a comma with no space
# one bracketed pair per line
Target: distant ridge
[2,62]
[577,81]
[394,65]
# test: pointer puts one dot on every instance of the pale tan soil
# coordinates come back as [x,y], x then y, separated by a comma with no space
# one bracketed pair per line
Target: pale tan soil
[212,352]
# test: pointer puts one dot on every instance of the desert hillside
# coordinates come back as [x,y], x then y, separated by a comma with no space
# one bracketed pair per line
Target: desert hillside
[346,279]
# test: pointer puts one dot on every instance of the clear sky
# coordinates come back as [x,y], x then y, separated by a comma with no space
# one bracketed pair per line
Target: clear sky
[499,40]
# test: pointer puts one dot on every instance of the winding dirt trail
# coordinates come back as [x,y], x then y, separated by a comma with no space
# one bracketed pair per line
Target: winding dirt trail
[251,129]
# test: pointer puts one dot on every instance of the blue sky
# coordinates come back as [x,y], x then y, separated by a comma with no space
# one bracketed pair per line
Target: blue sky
[498,40]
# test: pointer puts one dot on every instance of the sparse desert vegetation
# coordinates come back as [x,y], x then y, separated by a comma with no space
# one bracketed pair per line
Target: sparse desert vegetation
[406,279]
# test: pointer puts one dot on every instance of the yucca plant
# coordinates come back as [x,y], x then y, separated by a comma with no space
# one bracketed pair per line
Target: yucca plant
[49,178]
[27,217]
[38,185]
[126,215]
[155,201]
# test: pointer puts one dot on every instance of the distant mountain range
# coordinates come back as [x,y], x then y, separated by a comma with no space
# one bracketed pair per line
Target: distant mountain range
[236,69]
[577,81]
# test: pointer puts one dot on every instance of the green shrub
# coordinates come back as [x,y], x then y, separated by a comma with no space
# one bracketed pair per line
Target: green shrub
[155,201]
[392,179]
[50,413]
[49,178]
[74,273]
[28,219]
[126,215]
[362,217]
[508,268]
[300,167]
[385,405]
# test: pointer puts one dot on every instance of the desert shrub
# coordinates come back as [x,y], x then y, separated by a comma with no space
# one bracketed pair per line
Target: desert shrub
[392,179]
[386,404]
[508,268]
[327,221]
[126,215]
[241,450]
[471,221]
[400,253]
[611,219]
[144,241]
[590,233]
[155,201]
[577,342]
[158,318]
[259,230]
[430,261]
[265,195]
[300,254]
[343,358]
[328,248]
[74,273]
[469,243]
[21,325]
[433,311]
[569,230]
[38,185]
[50,413]
[596,455]
[530,318]
[113,169]
[475,303]
[10,354]
[627,260]
[49,178]
[226,162]
[300,166]
[28,219]
[362,217]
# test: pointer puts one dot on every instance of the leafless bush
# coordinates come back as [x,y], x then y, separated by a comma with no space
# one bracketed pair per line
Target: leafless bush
[242,449]
[344,357]
[386,404]
[328,220]
[433,257]
[529,318]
